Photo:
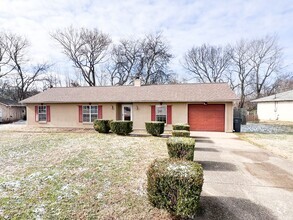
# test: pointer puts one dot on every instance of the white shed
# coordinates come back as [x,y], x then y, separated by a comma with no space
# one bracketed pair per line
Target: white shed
[276,107]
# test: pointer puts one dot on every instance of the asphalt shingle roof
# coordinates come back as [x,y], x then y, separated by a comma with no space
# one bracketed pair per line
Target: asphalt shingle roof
[283,96]
[210,92]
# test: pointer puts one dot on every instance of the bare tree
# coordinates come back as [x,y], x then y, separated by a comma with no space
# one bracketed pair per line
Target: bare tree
[86,48]
[24,74]
[153,66]
[51,80]
[124,61]
[5,67]
[249,66]
[6,90]
[283,83]
[242,69]
[208,64]
[146,58]
[266,59]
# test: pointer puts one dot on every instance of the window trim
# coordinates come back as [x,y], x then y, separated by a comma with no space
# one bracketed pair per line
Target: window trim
[166,112]
[90,113]
[46,112]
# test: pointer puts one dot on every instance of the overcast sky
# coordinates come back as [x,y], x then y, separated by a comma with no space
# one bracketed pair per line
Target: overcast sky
[184,23]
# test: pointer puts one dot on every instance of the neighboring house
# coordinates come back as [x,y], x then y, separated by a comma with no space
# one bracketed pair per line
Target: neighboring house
[206,107]
[276,107]
[10,111]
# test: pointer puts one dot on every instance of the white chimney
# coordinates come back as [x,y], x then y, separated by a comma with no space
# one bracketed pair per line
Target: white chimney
[137,82]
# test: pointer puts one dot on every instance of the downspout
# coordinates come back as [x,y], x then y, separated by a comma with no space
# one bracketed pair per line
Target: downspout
[276,109]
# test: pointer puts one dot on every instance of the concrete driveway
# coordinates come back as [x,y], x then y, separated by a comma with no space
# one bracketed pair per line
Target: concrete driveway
[242,181]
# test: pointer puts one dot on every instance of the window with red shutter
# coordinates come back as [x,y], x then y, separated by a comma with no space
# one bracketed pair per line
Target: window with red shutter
[88,113]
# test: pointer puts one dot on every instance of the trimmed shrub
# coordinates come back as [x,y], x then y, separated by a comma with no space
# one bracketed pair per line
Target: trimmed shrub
[184,127]
[155,128]
[180,133]
[121,127]
[181,147]
[175,185]
[102,126]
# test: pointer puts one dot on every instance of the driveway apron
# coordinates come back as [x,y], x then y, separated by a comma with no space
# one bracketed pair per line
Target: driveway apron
[242,181]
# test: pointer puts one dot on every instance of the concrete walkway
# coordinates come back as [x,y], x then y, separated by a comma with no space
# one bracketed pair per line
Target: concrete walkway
[242,181]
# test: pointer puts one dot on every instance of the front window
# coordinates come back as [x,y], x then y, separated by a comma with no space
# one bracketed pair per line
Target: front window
[89,113]
[42,113]
[161,113]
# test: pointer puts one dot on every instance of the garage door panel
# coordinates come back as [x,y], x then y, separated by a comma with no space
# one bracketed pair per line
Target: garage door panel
[206,117]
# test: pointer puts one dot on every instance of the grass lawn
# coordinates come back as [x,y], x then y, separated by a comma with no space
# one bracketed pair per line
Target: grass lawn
[280,144]
[58,174]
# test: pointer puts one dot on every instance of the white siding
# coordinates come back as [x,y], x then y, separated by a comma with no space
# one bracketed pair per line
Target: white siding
[282,111]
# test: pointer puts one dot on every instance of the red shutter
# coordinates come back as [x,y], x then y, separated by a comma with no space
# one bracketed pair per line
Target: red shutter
[169,114]
[80,113]
[48,113]
[153,113]
[36,113]
[100,112]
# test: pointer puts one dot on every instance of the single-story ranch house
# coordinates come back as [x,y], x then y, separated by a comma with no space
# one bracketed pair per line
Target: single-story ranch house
[206,107]
[276,107]
[10,111]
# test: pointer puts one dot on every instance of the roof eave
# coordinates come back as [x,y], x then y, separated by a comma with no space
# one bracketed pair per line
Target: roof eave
[275,100]
[128,101]
[8,105]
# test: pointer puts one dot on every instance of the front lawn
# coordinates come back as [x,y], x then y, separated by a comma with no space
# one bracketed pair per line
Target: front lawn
[280,144]
[59,174]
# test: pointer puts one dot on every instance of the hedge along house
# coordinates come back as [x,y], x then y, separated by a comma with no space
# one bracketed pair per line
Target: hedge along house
[206,107]
[10,111]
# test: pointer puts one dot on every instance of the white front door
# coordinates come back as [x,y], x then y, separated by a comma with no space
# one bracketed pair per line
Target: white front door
[127,112]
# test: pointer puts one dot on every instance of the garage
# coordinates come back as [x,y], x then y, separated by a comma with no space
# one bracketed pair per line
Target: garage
[209,117]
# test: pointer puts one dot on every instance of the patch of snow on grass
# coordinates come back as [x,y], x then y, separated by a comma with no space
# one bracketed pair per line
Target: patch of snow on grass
[106,188]
[140,190]
[11,185]
[67,192]
[99,195]
[39,211]
[50,177]
[33,175]
[265,128]
[65,187]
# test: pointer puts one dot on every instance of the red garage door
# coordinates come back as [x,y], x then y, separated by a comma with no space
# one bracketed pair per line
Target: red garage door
[206,117]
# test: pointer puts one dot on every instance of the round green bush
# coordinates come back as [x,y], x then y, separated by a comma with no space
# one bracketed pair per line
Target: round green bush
[155,128]
[102,126]
[181,147]
[180,133]
[175,185]
[183,127]
[121,127]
